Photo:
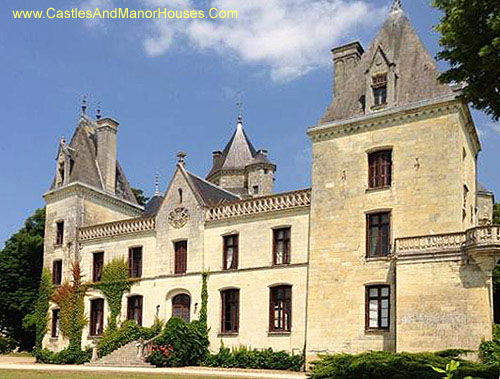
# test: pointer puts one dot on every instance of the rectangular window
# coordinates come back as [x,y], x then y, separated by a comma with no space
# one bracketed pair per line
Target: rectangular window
[135,262]
[377,307]
[59,233]
[98,265]
[231,252]
[180,266]
[281,246]
[379,86]
[134,309]
[255,190]
[280,310]
[380,169]
[57,272]
[378,234]
[96,317]
[54,333]
[230,311]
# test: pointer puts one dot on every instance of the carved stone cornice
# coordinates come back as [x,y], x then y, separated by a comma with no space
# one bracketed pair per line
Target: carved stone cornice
[78,188]
[390,117]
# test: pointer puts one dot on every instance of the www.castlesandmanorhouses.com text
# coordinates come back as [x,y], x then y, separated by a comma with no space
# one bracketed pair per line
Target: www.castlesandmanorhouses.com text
[124,13]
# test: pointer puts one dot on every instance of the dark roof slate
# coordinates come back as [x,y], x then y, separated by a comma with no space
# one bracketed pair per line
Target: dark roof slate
[209,193]
[416,69]
[153,206]
[83,150]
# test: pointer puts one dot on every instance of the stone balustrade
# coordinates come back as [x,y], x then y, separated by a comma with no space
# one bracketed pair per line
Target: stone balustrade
[481,236]
[284,201]
[135,225]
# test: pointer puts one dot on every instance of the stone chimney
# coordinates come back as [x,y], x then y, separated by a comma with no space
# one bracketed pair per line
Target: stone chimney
[216,156]
[345,59]
[106,131]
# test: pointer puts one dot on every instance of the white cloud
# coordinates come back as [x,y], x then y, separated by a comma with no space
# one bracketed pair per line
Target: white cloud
[92,5]
[291,37]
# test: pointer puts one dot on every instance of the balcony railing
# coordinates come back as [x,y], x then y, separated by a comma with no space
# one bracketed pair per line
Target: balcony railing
[290,200]
[135,225]
[481,236]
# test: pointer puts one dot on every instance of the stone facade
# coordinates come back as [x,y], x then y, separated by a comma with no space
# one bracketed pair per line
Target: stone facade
[435,270]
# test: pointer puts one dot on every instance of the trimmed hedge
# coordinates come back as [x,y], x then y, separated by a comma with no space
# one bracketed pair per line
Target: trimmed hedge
[67,356]
[180,344]
[114,338]
[385,365]
[244,357]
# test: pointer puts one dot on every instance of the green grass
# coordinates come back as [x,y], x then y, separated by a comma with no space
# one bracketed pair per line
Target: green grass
[39,374]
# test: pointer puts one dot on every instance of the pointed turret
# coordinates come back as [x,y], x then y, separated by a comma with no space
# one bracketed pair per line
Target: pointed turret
[242,169]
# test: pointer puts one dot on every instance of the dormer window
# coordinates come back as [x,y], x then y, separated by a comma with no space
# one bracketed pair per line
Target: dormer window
[379,86]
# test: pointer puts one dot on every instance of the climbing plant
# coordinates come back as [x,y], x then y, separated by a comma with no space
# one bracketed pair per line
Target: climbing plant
[40,318]
[114,283]
[69,296]
[204,298]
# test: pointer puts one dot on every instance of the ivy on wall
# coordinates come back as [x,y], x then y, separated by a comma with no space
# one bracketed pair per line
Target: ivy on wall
[114,283]
[69,296]
[40,316]
[204,299]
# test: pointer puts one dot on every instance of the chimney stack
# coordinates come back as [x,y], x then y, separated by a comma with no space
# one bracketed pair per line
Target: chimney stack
[216,156]
[345,59]
[106,133]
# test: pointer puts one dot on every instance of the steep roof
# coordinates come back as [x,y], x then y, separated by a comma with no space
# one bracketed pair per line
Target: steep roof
[153,206]
[416,70]
[83,150]
[209,193]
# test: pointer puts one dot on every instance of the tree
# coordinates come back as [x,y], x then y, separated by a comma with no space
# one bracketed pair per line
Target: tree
[20,270]
[140,197]
[496,214]
[470,40]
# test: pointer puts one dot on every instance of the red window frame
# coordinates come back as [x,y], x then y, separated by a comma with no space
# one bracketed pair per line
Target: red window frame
[230,311]
[180,264]
[134,309]
[375,296]
[181,306]
[59,232]
[282,236]
[378,234]
[57,272]
[96,327]
[280,309]
[135,262]
[380,169]
[97,266]
[231,242]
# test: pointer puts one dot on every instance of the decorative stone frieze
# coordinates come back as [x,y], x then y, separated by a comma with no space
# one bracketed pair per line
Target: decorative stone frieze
[135,225]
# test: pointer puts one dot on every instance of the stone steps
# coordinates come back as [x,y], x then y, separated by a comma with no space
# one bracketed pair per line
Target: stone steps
[125,356]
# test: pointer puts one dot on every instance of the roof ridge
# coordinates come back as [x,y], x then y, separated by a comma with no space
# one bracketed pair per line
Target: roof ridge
[210,184]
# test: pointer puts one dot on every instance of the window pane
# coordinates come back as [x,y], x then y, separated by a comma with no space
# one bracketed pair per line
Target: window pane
[385,291]
[373,292]
[384,323]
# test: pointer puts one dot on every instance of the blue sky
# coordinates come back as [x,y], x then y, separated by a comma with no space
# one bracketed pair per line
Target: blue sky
[172,85]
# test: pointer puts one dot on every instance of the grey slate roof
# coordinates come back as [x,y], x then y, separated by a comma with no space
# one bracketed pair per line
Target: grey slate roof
[83,147]
[208,192]
[238,153]
[482,189]
[153,206]
[416,69]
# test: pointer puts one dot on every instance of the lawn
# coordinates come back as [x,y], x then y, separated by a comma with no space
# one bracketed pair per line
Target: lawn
[34,374]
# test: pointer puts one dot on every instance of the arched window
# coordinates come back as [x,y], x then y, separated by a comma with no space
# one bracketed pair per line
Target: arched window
[180,195]
[181,306]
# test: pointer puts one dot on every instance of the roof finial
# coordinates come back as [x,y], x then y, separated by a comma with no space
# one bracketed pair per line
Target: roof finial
[63,140]
[181,156]
[396,6]
[239,106]
[157,185]
[98,111]
[84,104]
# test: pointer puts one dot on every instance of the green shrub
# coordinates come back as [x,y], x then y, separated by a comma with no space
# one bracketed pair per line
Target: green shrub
[129,331]
[243,357]
[67,356]
[489,351]
[180,344]
[7,344]
[384,365]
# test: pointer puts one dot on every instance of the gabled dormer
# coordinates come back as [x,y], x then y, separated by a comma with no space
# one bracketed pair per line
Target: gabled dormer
[381,81]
